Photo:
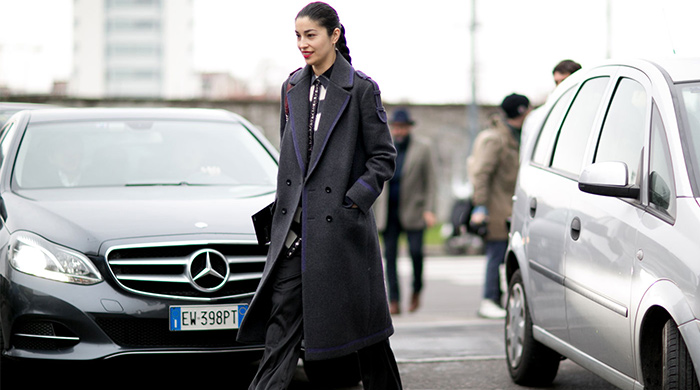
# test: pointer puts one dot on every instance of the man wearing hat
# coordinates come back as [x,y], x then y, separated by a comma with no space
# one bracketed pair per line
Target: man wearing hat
[493,170]
[407,204]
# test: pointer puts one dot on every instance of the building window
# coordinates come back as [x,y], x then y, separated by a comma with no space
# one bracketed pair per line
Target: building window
[132,3]
[133,25]
[133,74]
[141,50]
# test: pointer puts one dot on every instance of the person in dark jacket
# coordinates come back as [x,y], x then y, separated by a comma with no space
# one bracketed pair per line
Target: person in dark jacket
[407,205]
[323,282]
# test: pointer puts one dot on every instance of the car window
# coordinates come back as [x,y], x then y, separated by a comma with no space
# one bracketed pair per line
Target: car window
[543,148]
[662,191]
[690,131]
[141,153]
[622,136]
[575,131]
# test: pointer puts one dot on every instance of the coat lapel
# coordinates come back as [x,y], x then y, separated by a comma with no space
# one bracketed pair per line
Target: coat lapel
[298,100]
[337,98]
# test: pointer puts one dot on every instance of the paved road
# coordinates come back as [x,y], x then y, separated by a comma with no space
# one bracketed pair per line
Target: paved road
[444,345]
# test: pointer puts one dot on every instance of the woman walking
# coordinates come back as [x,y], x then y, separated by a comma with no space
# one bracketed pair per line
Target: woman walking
[323,282]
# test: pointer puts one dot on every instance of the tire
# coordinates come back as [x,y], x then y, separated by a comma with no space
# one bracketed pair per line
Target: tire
[678,369]
[530,363]
[334,373]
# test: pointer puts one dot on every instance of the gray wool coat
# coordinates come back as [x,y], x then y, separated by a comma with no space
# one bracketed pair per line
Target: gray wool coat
[344,297]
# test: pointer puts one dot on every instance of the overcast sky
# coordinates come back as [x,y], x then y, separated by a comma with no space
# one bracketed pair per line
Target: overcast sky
[418,52]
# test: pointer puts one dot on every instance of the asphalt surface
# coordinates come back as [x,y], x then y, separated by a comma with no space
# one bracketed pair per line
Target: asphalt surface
[444,345]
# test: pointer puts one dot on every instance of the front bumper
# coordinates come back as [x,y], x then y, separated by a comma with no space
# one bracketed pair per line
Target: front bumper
[44,319]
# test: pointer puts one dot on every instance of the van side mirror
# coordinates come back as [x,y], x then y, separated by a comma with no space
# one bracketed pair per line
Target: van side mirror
[607,179]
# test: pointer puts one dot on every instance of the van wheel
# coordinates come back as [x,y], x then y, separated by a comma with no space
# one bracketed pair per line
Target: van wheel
[334,373]
[530,363]
[678,370]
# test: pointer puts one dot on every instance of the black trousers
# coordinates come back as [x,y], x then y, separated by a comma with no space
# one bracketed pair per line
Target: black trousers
[391,250]
[285,331]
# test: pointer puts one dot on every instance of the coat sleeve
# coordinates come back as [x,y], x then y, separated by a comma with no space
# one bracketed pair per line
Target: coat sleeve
[483,165]
[378,147]
[283,110]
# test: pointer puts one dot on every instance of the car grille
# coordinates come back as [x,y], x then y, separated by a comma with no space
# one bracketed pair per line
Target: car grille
[154,333]
[169,270]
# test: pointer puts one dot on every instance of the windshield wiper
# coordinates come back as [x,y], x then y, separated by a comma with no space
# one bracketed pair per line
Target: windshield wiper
[182,183]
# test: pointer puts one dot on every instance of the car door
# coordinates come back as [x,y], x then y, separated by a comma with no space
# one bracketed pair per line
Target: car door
[600,248]
[551,180]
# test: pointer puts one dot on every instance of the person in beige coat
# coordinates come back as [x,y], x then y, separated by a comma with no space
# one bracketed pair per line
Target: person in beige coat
[493,170]
[407,204]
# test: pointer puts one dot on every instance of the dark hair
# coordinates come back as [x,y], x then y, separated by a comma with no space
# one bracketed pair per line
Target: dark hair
[567,67]
[327,17]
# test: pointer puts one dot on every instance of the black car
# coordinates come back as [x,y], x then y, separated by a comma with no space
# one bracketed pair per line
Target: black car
[129,231]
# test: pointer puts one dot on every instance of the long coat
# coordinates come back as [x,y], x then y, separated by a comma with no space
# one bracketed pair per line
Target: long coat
[493,171]
[344,298]
[417,188]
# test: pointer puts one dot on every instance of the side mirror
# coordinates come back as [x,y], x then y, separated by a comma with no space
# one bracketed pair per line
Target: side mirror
[607,179]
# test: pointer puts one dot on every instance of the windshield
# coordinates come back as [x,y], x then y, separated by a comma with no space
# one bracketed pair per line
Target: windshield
[690,111]
[141,153]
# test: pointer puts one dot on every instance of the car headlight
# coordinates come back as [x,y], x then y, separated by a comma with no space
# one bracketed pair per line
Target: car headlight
[36,256]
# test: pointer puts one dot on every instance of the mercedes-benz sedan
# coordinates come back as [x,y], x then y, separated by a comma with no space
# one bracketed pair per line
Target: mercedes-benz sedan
[129,231]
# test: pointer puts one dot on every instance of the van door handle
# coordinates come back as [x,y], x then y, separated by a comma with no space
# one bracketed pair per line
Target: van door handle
[575,228]
[533,207]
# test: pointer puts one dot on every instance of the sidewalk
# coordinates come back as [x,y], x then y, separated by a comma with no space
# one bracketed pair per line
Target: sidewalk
[446,326]
[452,287]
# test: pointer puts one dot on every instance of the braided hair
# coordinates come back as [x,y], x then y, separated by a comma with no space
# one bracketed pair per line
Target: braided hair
[326,16]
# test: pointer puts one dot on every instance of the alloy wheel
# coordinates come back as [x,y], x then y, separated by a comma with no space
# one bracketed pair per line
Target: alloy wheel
[515,325]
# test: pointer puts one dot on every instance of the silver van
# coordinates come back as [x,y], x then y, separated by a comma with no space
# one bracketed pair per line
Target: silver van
[603,265]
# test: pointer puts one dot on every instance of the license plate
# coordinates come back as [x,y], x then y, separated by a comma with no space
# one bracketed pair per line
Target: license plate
[206,317]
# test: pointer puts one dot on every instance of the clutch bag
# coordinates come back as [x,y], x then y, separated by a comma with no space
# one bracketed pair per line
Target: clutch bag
[262,221]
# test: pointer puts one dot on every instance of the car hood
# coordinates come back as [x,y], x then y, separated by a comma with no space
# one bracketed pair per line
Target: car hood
[85,218]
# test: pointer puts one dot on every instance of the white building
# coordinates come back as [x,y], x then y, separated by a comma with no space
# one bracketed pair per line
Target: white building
[133,48]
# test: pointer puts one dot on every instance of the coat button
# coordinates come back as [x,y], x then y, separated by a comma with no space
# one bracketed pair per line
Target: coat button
[328,190]
[329,218]
[289,182]
[284,211]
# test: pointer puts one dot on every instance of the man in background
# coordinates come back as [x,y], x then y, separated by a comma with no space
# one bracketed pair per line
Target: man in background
[493,170]
[407,204]
[560,72]
[564,69]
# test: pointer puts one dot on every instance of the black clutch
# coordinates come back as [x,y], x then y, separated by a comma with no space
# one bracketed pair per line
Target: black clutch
[262,221]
